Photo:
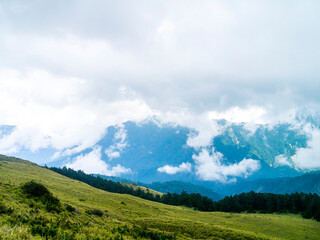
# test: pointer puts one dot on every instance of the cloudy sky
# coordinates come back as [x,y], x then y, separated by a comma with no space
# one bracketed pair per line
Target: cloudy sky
[69,69]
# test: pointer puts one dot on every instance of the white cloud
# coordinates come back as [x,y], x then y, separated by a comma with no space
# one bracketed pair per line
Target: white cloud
[208,55]
[111,153]
[168,169]
[120,143]
[79,67]
[282,160]
[92,163]
[206,128]
[165,34]
[209,167]
[253,114]
[251,127]
[309,157]
[58,112]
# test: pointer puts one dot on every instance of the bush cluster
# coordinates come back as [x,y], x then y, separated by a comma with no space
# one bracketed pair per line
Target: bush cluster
[50,228]
[5,210]
[96,212]
[34,189]
[39,192]
[69,208]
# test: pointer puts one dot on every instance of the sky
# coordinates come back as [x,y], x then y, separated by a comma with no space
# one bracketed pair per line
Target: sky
[70,69]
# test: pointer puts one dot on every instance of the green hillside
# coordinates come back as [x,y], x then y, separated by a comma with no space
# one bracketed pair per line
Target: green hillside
[95,214]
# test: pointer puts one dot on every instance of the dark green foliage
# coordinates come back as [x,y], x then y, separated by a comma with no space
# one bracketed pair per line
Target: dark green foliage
[40,192]
[18,219]
[50,228]
[69,208]
[34,189]
[308,205]
[44,231]
[179,187]
[52,203]
[4,209]
[96,212]
[193,200]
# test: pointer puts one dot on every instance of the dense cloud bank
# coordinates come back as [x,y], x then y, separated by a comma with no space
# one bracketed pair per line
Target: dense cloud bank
[68,70]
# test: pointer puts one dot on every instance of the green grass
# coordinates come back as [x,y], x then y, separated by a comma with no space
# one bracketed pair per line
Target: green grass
[127,216]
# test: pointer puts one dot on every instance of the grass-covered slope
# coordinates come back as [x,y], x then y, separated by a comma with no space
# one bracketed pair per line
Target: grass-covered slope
[123,216]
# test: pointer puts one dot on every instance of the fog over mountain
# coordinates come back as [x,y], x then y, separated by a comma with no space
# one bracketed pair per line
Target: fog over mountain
[230,88]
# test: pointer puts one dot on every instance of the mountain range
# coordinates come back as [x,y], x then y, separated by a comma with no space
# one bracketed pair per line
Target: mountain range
[151,151]
[238,156]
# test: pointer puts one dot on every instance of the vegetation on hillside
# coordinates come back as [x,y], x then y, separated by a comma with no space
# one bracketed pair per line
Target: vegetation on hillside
[38,213]
[14,159]
[308,205]
[179,187]
[193,200]
[123,216]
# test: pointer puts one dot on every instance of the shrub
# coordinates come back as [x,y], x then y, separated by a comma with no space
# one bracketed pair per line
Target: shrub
[40,192]
[44,231]
[5,210]
[34,189]
[96,212]
[69,208]
[52,203]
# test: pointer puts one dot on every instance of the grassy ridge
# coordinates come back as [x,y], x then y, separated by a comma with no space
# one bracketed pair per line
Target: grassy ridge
[308,205]
[192,200]
[124,215]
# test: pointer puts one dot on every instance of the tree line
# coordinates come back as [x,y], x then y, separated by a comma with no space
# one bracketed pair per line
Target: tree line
[308,205]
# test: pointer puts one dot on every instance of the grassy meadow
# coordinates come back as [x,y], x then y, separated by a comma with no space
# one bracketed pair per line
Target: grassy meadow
[124,216]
